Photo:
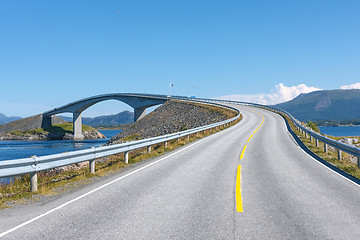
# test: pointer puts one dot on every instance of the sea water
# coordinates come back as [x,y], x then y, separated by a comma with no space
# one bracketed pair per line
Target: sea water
[23,149]
[343,131]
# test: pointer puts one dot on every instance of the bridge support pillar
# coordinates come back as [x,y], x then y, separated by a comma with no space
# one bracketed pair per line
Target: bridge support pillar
[46,121]
[139,113]
[77,126]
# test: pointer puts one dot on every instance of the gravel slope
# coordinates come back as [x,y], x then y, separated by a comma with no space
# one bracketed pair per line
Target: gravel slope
[172,116]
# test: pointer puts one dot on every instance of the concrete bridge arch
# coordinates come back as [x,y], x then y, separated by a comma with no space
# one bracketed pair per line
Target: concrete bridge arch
[137,101]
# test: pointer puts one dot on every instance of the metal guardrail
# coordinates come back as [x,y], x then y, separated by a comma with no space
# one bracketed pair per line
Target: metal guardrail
[327,141]
[36,164]
[32,165]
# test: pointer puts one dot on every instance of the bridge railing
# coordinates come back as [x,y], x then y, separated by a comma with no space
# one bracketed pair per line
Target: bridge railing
[35,164]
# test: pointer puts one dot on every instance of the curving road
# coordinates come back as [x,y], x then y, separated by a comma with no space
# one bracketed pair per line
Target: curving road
[193,193]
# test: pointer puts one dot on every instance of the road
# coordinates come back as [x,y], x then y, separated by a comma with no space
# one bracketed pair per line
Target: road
[200,192]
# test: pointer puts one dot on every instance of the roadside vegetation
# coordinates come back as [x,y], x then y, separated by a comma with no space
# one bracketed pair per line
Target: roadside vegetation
[313,126]
[56,181]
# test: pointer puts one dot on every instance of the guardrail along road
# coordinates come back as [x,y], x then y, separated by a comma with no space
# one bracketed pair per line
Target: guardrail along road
[214,188]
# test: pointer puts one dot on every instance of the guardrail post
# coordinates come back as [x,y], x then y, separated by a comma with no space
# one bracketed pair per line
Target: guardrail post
[317,142]
[188,137]
[197,134]
[325,148]
[33,182]
[92,166]
[148,149]
[339,154]
[306,135]
[358,162]
[126,157]
[165,144]
[311,138]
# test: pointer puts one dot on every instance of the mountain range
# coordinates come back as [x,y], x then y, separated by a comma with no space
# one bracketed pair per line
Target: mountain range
[124,117]
[336,106]
[340,106]
[4,119]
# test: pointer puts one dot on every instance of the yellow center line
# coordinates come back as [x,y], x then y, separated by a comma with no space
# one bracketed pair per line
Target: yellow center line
[243,152]
[239,206]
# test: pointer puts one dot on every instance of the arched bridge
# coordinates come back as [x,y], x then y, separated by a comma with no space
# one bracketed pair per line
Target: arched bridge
[138,101]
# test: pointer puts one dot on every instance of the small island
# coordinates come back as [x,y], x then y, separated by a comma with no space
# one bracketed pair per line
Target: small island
[30,129]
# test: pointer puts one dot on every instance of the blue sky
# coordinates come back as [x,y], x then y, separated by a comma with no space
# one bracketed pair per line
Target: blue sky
[55,52]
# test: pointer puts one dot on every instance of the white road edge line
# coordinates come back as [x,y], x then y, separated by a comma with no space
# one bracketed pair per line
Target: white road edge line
[356,184]
[96,189]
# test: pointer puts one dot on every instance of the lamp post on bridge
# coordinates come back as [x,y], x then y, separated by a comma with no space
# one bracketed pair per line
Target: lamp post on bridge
[171,85]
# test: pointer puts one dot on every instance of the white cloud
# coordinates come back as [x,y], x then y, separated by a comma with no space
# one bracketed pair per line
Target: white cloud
[351,86]
[279,94]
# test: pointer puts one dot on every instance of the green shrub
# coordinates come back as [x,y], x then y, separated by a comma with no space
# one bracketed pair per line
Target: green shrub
[313,126]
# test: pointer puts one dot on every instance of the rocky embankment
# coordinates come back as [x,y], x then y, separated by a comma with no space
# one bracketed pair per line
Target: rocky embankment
[30,129]
[172,116]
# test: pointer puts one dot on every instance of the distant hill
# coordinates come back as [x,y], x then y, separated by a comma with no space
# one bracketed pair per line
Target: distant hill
[4,119]
[337,105]
[124,117]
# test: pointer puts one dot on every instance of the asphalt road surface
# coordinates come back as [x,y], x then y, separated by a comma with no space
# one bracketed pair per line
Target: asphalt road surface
[200,192]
